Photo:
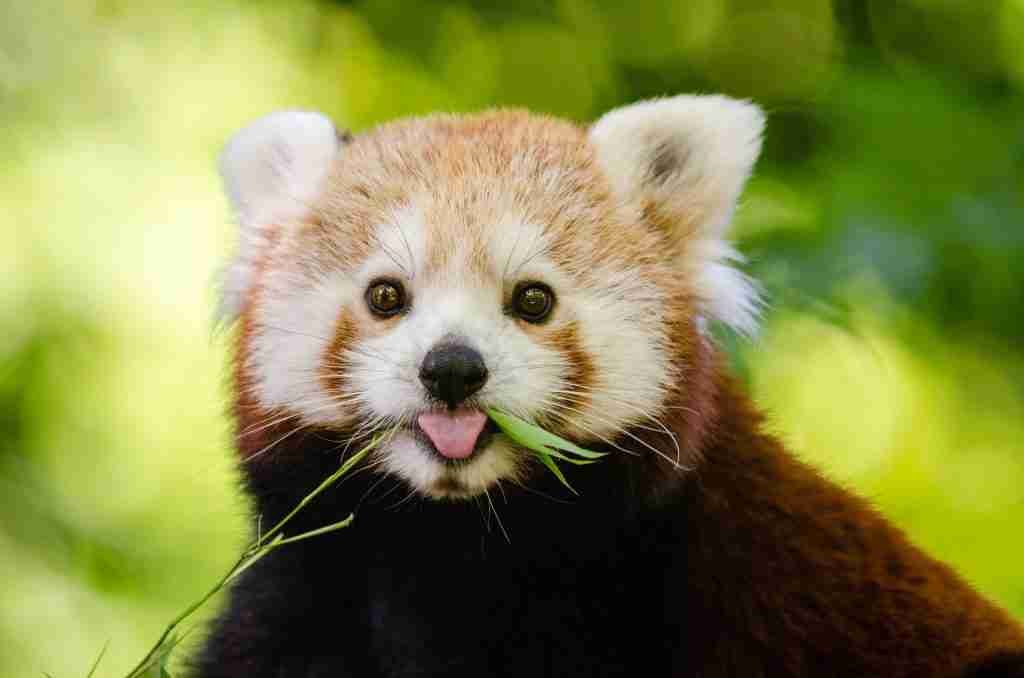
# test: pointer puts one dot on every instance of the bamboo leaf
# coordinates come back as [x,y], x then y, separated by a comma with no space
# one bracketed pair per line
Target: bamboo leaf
[546,445]
[99,658]
[532,436]
[552,452]
[546,459]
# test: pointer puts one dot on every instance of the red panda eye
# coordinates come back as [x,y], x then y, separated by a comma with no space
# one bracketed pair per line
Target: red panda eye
[533,302]
[385,297]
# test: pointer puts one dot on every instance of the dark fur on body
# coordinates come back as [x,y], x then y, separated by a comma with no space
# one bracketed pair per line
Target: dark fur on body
[750,565]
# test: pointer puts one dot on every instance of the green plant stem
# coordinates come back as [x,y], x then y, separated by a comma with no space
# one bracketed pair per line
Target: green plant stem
[154,653]
[252,554]
[330,480]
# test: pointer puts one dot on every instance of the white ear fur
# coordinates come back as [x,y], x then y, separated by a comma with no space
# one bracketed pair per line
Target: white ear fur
[273,169]
[689,157]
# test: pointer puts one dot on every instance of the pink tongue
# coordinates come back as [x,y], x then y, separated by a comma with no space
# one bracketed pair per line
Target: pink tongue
[454,434]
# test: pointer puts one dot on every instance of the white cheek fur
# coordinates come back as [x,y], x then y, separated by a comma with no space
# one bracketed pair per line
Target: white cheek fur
[409,461]
[620,335]
[294,327]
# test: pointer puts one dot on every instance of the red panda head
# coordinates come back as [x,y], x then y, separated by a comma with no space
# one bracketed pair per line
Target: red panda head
[413,276]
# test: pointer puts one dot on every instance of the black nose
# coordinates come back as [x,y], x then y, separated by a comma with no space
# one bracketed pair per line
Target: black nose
[453,372]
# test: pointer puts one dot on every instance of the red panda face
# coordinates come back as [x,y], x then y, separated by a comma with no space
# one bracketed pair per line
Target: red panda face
[412,278]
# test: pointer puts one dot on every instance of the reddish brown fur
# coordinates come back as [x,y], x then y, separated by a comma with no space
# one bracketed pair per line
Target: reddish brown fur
[252,434]
[809,579]
[346,333]
[581,377]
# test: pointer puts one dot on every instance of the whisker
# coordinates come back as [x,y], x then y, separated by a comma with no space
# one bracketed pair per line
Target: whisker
[556,406]
[291,331]
[661,427]
[408,248]
[409,495]
[391,255]
[515,246]
[628,433]
[485,518]
[540,250]
[497,518]
[373,487]
[277,442]
[543,495]
[263,424]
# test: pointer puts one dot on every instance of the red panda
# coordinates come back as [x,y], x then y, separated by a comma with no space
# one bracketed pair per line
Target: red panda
[410,277]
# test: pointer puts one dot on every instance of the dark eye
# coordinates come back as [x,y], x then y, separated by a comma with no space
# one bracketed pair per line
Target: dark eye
[533,301]
[386,297]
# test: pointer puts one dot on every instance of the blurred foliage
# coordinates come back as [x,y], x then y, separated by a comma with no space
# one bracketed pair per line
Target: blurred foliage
[886,222]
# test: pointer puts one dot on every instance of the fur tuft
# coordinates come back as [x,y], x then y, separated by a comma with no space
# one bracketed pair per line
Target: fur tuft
[728,294]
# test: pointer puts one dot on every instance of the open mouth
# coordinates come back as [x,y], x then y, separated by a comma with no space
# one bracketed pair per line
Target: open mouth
[454,435]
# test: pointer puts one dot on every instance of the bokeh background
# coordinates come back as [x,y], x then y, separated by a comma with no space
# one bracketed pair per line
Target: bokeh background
[886,221]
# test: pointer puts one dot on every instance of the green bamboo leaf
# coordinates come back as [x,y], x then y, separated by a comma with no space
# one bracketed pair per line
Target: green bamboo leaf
[552,452]
[546,445]
[534,437]
[333,527]
[546,459]
[166,656]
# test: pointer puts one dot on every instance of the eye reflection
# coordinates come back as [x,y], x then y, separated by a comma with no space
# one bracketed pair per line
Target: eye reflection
[386,297]
[533,302]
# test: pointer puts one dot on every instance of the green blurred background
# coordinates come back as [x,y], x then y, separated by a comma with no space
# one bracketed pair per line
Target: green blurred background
[886,221]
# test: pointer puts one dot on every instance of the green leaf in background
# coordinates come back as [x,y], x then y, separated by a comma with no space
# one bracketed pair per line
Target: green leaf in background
[546,445]
[99,658]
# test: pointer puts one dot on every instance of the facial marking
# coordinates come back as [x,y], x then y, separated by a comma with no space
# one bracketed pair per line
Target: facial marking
[579,376]
[336,359]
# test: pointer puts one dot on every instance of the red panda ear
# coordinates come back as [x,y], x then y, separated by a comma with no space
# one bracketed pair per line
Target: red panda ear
[687,156]
[273,170]
[685,160]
